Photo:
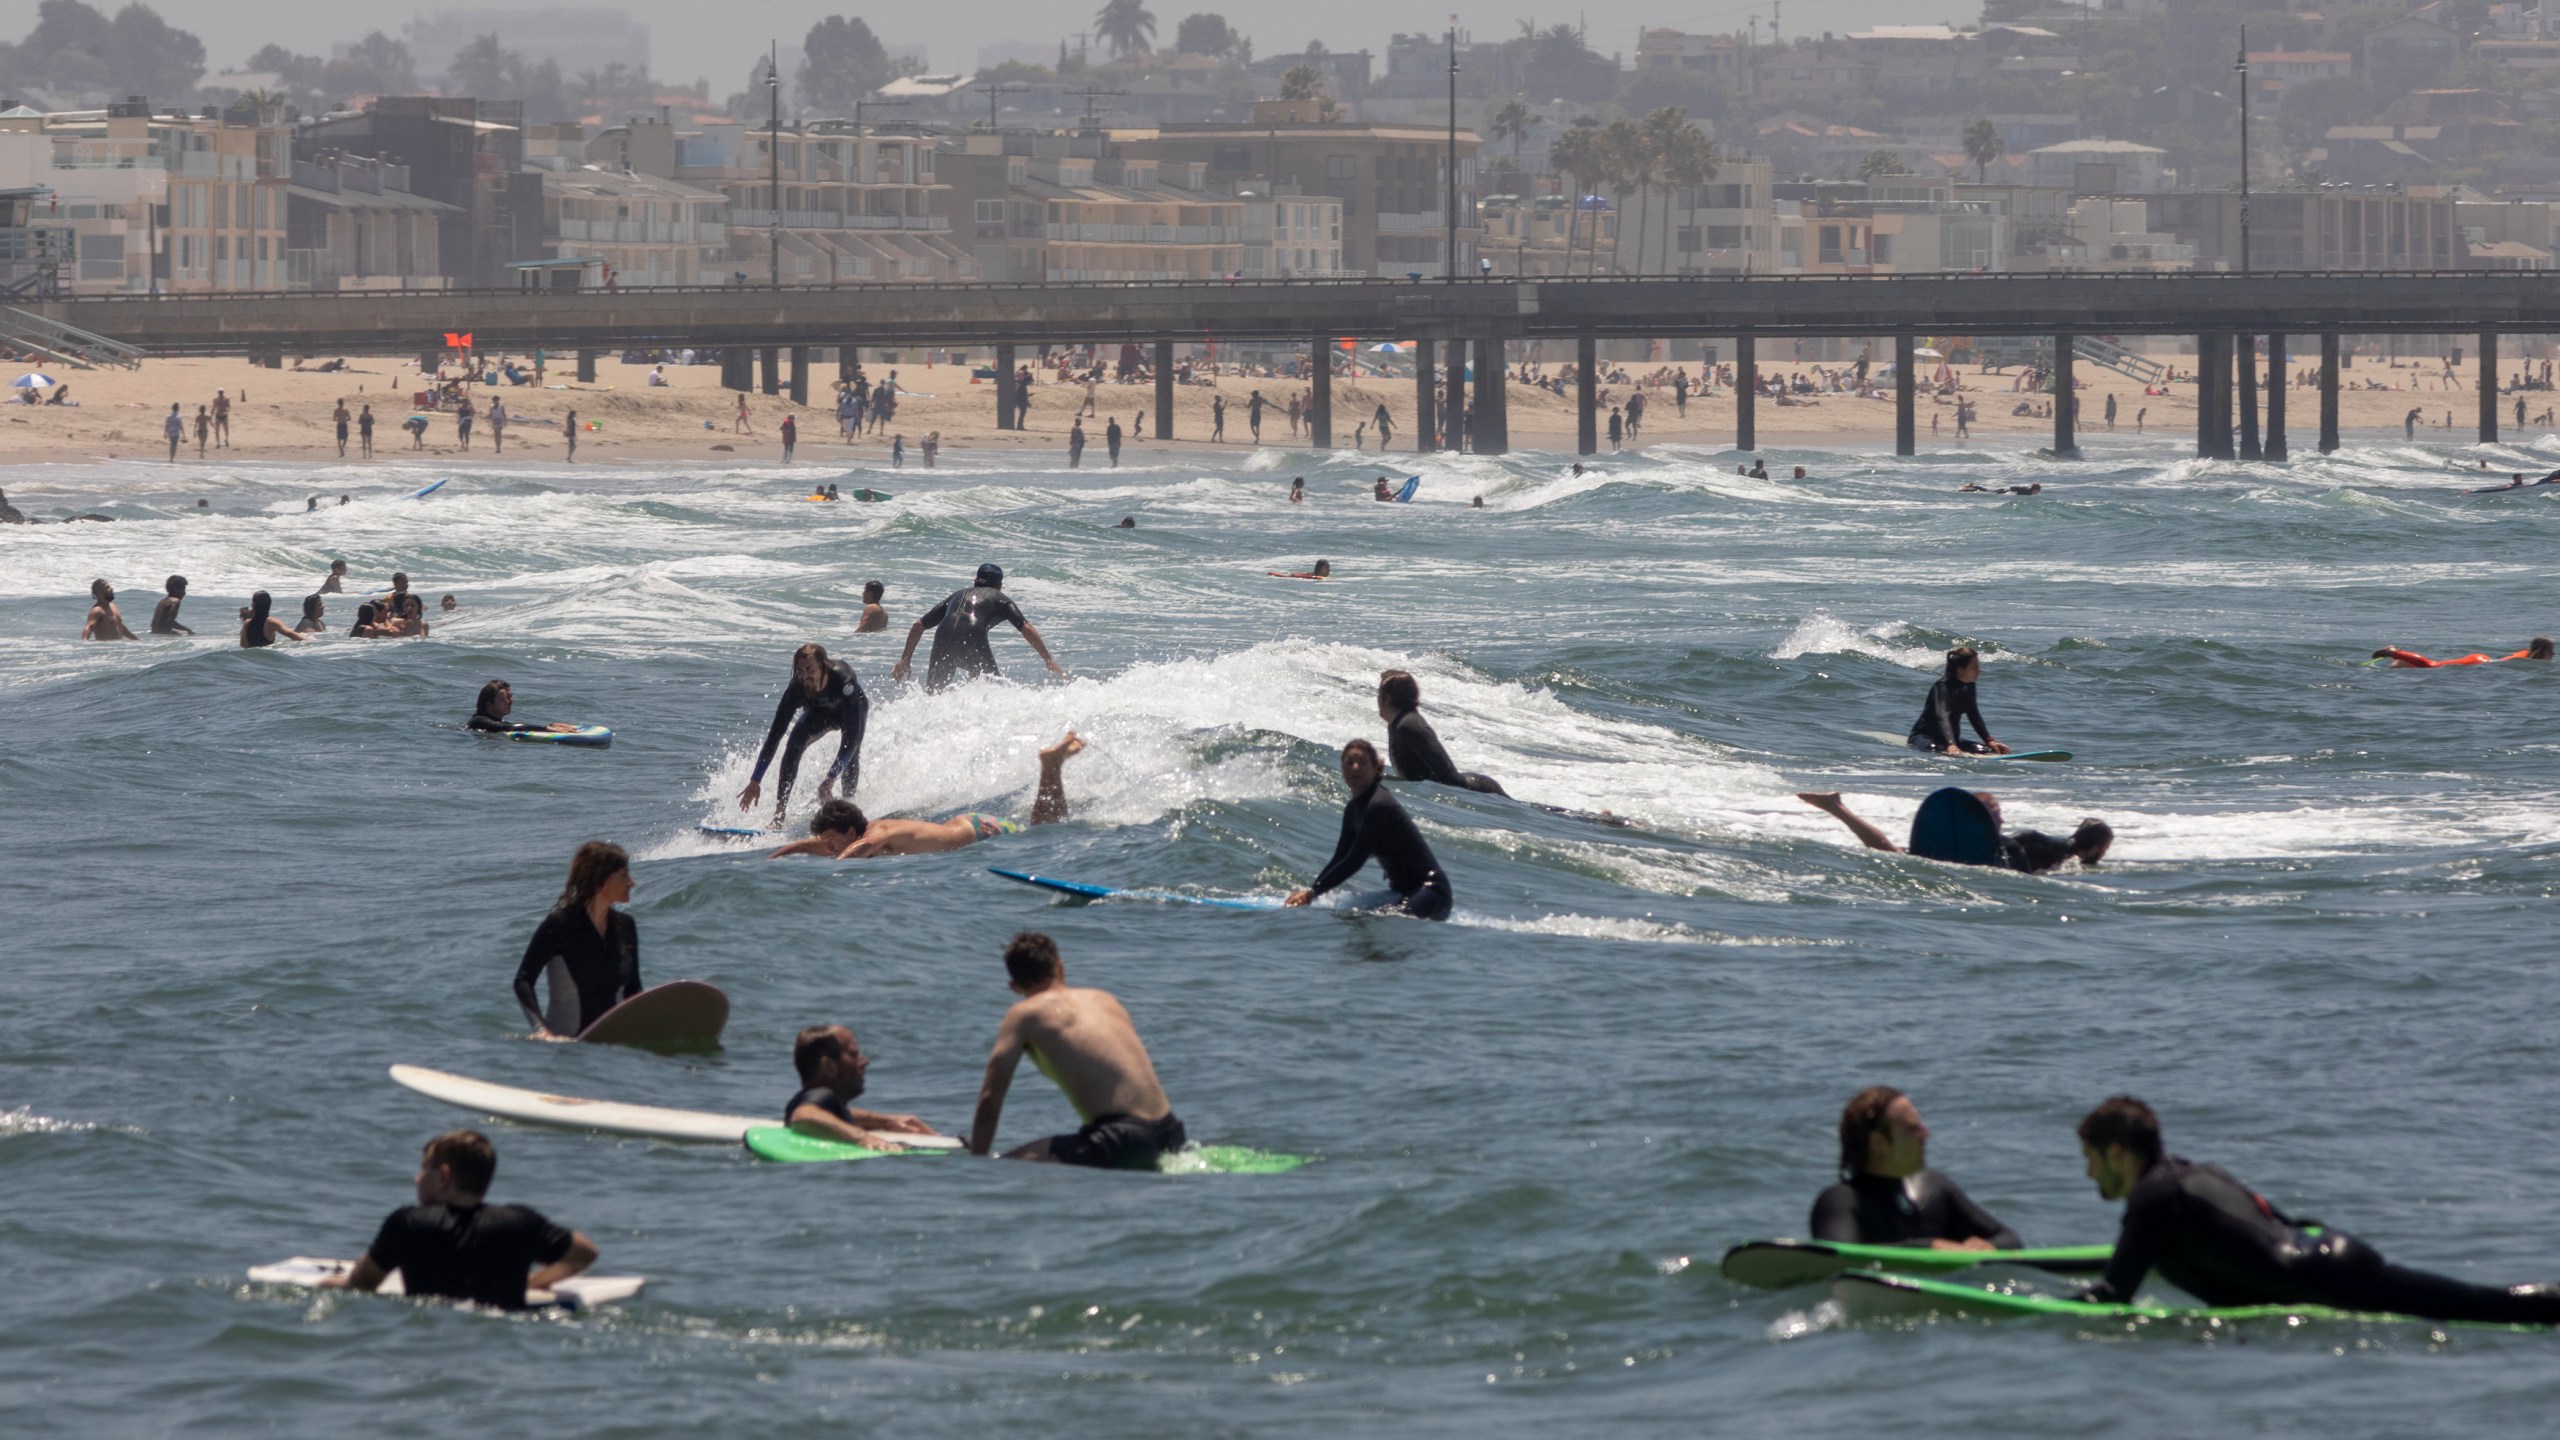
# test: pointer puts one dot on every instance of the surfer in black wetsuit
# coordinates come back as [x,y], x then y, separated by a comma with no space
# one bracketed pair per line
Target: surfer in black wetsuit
[454,1245]
[2214,1238]
[489,716]
[1887,1193]
[585,950]
[824,694]
[1375,826]
[2030,851]
[1941,723]
[832,1066]
[960,634]
[1413,746]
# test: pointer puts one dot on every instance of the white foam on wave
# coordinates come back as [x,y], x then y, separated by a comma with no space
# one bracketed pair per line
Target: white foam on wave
[1822,634]
[25,1121]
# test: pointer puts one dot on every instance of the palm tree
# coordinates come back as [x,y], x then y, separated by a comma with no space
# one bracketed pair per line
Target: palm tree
[1513,122]
[1127,26]
[1880,162]
[1664,131]
[1689,160]
[1303,82]
[1574,155]
[1982,146]
[1625,167]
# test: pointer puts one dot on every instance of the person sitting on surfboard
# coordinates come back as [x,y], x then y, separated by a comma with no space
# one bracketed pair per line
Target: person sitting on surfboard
[960,633]
[585,950]
[1084,1041]
[1951,702]
[2221,1242]
[841,831]
[1373,824]
[874,617]
[825,696]
[1887,1193]
[2540,649]
[1962,827]
[832,1066]
[454,1245]
[489,716]
[1413,745]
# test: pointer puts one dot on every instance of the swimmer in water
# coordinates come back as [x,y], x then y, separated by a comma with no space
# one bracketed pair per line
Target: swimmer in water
[489,715]
[585,950]
[1382,492]
[261,628]
[314,609]
[448,604]
[1298,490]
[2539,649]
[1940,728]
[336,583]
[1375,826]
[1085,1042]
[105,621]
[1413,746]
[832,1067]
[2223,1243]
[825,696]
[1887,1193]
[2030,852]
[960,636]
[164,616]
[873,616]
[841,831]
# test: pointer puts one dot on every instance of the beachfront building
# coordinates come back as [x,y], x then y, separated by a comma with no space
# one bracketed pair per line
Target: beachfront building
[1890,225]
[646,229]
[1072,207]
[2334,228]
[1540,235]
[1717,57]
[353,223]
[1292,235]
[2098,167]
[468,154]
[36,259]
[1725,226]
[197,201]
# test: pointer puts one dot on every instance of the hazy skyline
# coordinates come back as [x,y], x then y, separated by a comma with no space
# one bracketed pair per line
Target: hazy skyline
[720,41]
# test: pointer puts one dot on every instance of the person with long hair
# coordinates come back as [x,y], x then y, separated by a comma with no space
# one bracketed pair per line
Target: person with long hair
[1413,746]
[313,608]
[586,951]
[260,628]
[489,716]
[1951,703]
[825,696]
[1887,1193]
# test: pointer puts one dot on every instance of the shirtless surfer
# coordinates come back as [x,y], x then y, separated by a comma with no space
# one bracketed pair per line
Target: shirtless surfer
[1084,1041]
[842,832]
[874,616]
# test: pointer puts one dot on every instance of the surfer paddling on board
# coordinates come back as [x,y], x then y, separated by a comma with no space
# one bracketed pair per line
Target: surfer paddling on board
[1084,1041]
[1951,703]
[1887,1193]
[489,716]
[1374,825]
[2539,649]
[585,950]
[842,832]
[454,1245]
[1413,745]
[1964,829]
[825,696]
[960,634]
[2216,1239]
[832,1067]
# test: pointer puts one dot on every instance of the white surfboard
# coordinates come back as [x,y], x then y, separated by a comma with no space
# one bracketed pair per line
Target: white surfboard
[571,1112]
[579,1292]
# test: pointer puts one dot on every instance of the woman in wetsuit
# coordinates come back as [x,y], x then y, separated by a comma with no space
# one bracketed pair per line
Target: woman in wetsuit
[825,696]
[586,951]
[1413,746]
[1940,727]
[1375,826]
[261,628]
[489,716]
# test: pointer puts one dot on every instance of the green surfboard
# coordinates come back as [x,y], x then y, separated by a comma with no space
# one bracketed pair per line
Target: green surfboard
[1873,1294]
[789,1147]
[1781,1264]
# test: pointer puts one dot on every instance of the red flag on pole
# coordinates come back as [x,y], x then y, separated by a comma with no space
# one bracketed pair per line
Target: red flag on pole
[459,340]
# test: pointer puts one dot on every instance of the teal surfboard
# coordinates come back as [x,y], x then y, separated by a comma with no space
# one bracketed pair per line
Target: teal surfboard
[1411,484]
[1082,891]
[1781,1264]
[1874,1294]
[789,1147]
[591,737]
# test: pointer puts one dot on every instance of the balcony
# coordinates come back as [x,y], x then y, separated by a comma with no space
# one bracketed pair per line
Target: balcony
[745,218]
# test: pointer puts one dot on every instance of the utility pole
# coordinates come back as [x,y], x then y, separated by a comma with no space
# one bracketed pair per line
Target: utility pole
[995,93]
[2243,67]
[1449,248]
[773,157]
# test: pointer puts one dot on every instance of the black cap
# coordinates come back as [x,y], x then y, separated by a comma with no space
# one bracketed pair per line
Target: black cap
[991,575]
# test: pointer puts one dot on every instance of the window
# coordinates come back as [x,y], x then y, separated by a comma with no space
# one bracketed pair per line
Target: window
[1727,237]
[1342,167]
[1689,240]
[1884,249]
[990,212]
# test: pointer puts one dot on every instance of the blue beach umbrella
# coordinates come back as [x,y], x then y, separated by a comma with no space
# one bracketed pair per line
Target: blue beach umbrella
[34,380]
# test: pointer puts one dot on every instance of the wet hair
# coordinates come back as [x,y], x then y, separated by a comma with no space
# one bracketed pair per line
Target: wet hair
[2540,649]
[469,1155]
[839,815]
[816,654]
[2123,1120]
[1323,567]
[400,578]
[872,590]
[337,567]
[814,1047]
[1363,746]
[175,585]
[991,575]
[1861,1117]
[259,605]
[368,614]
[1398,689]
[2092,840]
[489,693]
[596,862]
[1960,657]
[1032,959]
[313,605]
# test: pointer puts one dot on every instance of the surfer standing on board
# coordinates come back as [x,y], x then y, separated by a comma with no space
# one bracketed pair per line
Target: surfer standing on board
[841,831]
[1887,1193]
[585,950]
[1084,1041]
[832,1066]
[1374,825]
[824,694]
[454,1245]
[960,635]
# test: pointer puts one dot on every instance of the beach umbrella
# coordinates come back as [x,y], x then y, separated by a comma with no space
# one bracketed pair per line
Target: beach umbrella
[1388,347]
[1925,353]
[34,380]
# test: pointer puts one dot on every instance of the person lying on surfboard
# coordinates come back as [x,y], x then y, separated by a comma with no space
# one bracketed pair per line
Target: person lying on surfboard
[832,1067]
[1951,703]
[489,716]
[2540,649]
[454,1245]
[2030,851]
[2221,1242]
[840,830]
[1887,1193]
[1084,1041]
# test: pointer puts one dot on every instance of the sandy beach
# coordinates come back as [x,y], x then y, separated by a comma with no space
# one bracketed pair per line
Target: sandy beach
[285,415]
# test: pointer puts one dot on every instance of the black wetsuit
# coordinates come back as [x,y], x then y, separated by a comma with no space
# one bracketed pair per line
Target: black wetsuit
[492,725]
[822,1097]
[840,706]
[2033,851]
[1413,747]
[1873,1210]
[1940,724]
[588,973]
[960,634]
[479,1253]
[2214,1238]
[1374,825]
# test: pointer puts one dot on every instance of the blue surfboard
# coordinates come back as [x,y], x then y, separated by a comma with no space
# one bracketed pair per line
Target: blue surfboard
[1955,826]
[430,490]
[1411,484]
[733,832]
[1081,891]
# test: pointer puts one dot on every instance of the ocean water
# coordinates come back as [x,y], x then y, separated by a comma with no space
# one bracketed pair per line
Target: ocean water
[240,884]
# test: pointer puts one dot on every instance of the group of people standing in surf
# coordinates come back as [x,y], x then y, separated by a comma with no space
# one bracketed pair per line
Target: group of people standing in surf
[396,613]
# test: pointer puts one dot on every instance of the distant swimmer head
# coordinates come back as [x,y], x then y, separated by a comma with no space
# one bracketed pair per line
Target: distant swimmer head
[496,698]
[829,1055]
[1360,766]
[456,1166]
[600,868]
[1324,570]
[991,575]
[840,817]
[337,567]
[2120,1139]
[449,603]
[2092,840]
[1881,1134]
[1127,522]
[2540,649]
[175,585]
[1799,472]
[313,608]
[368,613]
[399,579]
[1478,503]
[809,667]
[872,590]
[1964,663]
[1398,692]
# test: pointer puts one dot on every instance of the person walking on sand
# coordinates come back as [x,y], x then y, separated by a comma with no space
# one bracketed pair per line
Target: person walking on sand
[1111,441]
[742,427]
[1253,415]
[498,425]
[1217,421]
[462,417]
[569,429]
[175,428]
[339,417]
[1386,426]
[222,419]
[204,429]
[790,437]
[364,434]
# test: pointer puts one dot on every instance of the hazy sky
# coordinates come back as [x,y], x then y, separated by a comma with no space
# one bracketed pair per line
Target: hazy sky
[720,38]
